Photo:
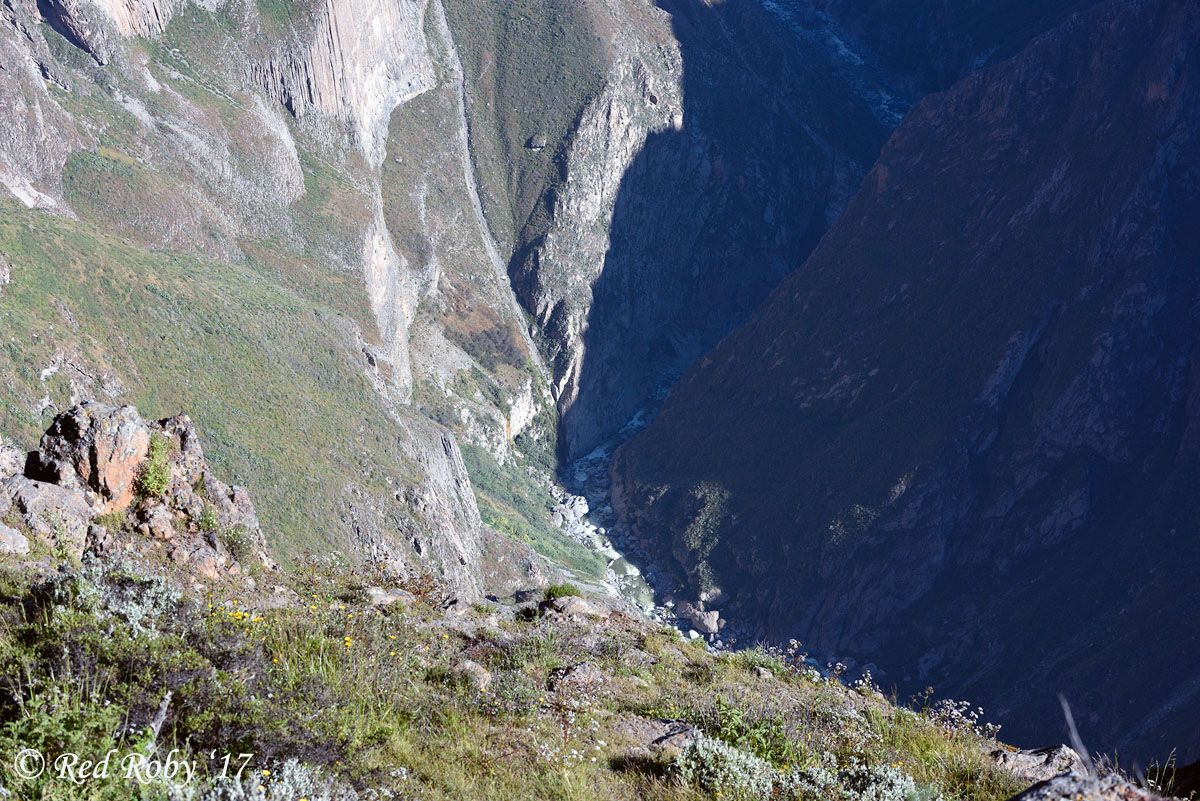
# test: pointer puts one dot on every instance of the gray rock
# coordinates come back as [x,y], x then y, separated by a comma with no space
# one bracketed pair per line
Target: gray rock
[12,461]
[158,523]
[99,541]
[1040,764]
[581,677]
[475,674]
[50,511]
[655,737]
[12,541]
[1086,788]
[377,596]
[572,605]
[705,622]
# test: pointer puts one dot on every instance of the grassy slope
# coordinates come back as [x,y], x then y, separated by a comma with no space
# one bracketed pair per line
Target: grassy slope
[531,67]
[376,697]
[282,402]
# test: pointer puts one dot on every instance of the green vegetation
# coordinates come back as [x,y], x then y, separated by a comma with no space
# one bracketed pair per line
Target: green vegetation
[513,503]
[155,477]
[531,67]
[330,693]
[208,519]
[267,375]
[561,591]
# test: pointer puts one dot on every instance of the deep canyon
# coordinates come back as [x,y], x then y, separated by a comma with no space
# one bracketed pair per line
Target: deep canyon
[922,279]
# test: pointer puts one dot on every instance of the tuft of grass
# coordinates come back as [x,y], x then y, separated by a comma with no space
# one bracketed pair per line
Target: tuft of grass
[155,477]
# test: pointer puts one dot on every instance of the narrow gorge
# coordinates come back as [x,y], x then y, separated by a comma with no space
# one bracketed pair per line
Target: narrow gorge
[863,332]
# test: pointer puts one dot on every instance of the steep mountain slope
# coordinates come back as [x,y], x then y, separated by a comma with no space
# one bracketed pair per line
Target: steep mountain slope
[962,441]
[658,170]
[927,45]
[236,208]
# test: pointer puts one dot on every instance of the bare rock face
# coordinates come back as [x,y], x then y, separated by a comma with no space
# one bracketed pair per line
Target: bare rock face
[361,61]
[97,448]
[11,460]
[82,23]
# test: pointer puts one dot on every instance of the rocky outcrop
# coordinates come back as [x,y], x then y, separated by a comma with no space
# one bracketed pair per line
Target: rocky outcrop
[104,479]
[95,25]
[962,437]
[1083,786]
[94,448]
[1040,764]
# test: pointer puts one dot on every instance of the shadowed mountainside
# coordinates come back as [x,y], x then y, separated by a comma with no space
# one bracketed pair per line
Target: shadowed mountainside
[712,213]
[962,440]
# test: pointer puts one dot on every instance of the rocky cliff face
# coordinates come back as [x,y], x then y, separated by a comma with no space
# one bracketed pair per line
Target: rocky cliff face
[231,181]
[716,149]
[356,64]
[961,440]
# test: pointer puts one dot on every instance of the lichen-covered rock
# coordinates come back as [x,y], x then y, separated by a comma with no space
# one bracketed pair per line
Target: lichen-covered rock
[89,464]
[12,541]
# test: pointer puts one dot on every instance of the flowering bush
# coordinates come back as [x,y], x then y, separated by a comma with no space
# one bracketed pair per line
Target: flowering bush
[717,767]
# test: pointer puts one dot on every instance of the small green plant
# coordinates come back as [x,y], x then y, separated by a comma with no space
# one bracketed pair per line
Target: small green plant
[561,591]
[237,541]
[156,472]
[207,521]
[114,520]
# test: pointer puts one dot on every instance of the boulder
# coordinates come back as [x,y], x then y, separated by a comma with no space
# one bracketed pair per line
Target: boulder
[12,541]
[581,677]
[1040,764]
[705,622]
[655,737]
[377,596]
[50,511]
[94,447]
[474,674]
[1082,786]
[572,605]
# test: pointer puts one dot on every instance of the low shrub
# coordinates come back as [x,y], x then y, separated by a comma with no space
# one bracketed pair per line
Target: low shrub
[561,591]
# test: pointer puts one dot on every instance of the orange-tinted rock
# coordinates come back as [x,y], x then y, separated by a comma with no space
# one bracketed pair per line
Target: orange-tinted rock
[95,447]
